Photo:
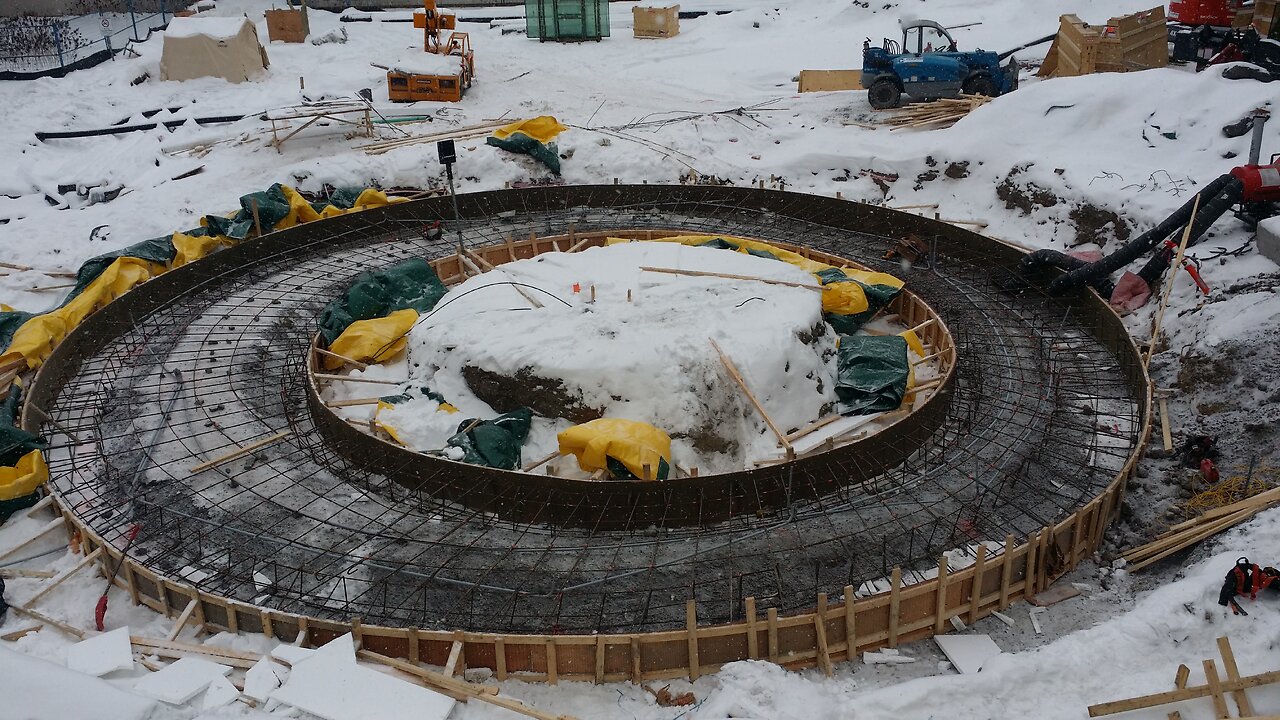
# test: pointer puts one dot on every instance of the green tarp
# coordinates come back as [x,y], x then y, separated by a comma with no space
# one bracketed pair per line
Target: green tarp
[878,297]
[157,250]
[871,373]
[518,142]
[273,207]
[410,284]
[494,443]
[412,394]
[14,441]
[9,324]
[618,471]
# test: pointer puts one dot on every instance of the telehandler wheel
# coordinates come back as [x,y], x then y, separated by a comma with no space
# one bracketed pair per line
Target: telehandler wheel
[980,85]
[884,94]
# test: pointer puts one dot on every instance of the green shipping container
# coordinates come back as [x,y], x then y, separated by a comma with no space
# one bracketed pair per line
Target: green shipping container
[566,20]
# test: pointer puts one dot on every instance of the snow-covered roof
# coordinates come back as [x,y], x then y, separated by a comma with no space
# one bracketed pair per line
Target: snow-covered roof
[215,27]
[430,64]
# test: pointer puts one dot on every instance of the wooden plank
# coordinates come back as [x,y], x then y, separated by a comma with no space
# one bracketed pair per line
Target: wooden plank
[829,80]
[772,618]
[850,624]
[45,530]
[351,379]
[599,659]
[895,591]
[636,674]
[349,361]
[1189,693]
[1006,574]
[1164,425]
[737,377]
[940,612]
[71,630]
[25,573]
[975,593]
[753,639]
[1180,680]
[731,276]
[86,561]
[1215,688]
[691,627]
[241,452]
[820,628]
[455,658]
[1233,673]
[183,617]
[553,677]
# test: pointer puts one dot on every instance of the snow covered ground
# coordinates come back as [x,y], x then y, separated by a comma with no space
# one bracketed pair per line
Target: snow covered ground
[1055,164]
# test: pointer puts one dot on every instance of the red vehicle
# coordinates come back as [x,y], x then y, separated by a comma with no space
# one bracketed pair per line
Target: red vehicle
[1218,13]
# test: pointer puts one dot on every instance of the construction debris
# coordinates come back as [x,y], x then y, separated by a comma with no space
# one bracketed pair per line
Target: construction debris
[936,114]
[463,133]
[1185,534]
[1127,43]
[1214,687]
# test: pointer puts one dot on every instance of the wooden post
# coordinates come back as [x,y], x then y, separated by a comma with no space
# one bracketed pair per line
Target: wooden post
[940,614]
[257,222]
[1029,570]
[979,568]
[599,659]
[1165,435]
[772,617]
[820,628]
[1047,541]
[414,641]
[850,629]
[267,628]
[553,677]
[233,619]
[895,587]
[691,626]
[753,640]
[737,377]
[1006,571]
[131,581]
[635,660]
[500,658]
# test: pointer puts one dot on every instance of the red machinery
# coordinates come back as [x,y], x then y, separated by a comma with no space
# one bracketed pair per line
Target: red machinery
[1218,13]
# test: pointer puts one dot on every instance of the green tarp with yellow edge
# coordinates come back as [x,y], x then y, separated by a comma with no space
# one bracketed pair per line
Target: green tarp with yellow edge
[532,137]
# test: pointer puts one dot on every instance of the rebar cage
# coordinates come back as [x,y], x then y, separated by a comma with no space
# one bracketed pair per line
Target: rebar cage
[1046,408]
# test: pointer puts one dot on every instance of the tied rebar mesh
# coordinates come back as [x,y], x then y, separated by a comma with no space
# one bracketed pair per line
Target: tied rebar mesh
[1045,411]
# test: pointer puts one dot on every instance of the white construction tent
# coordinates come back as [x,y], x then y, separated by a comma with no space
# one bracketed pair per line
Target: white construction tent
[225,47]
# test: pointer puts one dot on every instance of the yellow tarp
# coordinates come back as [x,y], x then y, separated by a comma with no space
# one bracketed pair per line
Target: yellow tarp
[37,338]
[543,128]
[390,429]
[633,443]
[840,298]
[373,341]
[189,248]
[23,479]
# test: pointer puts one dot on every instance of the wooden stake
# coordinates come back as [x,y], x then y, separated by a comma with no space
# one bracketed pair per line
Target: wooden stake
[753,638]
[895,587]
[24,573]
[53,524]
[979,568]
[460,690]
[850,627]
[353,403]
[553,678]
[815,425]
[1164,425]
[731,276]
[737,377]
[241,452]
[820,628]
[691,627]
[500,657]
[940,614]
[1168,286]
[541,461]
[356,363]
[182,619]
[1006,573]
[599,659]
[1180,679]
[348,378]
[257,222]
[771,616]
[85,562]
[636,674]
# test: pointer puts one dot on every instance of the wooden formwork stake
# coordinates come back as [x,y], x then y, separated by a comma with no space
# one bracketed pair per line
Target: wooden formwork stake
[691,626]
[452,665]
[257,222]
[85,562]
[1029,569]
[753,639]
[737,377]
[1165,435]
[52,524]
[553,677]
[895,588]
[349,361]
[940,614]
[1047,541]
[500,657]
[979,568]
[600,659]
[181,622]
[268,628]
[413,641]
[352,379]
[240,452]
[1006,573]
[850,627]
[820,629]
[635,660]
[771,616]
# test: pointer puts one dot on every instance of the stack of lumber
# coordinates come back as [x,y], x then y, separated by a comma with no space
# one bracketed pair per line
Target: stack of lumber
[462,133]
[1186,534]
[935,114]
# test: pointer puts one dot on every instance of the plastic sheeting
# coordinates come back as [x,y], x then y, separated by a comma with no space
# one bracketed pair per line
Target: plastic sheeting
[872,373]
[373,341]
[531,137]
[630,443]
[412,284]
[494,443]
[22,479]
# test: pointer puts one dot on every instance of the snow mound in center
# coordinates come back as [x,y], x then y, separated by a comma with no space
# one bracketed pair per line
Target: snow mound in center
[640,351]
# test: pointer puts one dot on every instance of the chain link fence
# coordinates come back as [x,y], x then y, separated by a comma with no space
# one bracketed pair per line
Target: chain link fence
[36,46]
